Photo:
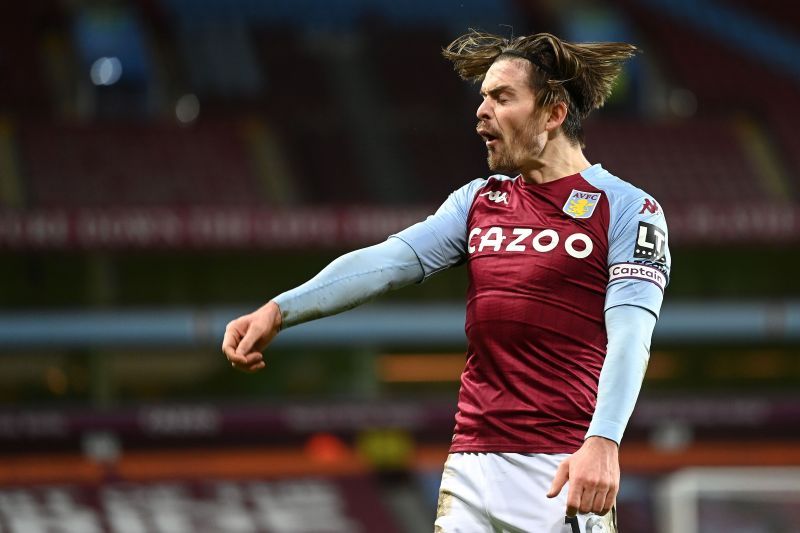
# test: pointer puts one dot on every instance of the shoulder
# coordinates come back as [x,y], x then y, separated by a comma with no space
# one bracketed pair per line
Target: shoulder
[623,197]
[468,191]
[480,183]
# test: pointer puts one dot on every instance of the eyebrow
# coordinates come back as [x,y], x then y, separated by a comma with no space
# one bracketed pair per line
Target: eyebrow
[497,90]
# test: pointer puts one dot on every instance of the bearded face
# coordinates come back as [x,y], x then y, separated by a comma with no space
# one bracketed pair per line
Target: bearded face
[508,153]
[508,120]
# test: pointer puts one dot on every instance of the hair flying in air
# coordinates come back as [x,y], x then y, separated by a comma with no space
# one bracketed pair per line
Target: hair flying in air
[579,74]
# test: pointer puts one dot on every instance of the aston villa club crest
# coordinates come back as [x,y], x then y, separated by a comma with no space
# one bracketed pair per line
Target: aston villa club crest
[581,204]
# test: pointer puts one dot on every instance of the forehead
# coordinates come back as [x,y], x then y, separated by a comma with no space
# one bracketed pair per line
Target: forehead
[511,71]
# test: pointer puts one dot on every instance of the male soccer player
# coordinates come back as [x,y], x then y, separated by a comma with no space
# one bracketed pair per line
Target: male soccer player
[567,267]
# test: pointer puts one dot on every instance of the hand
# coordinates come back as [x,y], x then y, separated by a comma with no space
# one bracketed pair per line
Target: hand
[593,474]
[247,336]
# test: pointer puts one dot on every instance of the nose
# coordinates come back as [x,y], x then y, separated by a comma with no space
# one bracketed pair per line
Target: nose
[483,112]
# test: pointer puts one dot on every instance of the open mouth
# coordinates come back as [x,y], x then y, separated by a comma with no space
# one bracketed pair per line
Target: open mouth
[488,137]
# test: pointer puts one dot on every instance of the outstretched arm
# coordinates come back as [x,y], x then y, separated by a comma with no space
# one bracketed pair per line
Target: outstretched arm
[347,282]
[411,255]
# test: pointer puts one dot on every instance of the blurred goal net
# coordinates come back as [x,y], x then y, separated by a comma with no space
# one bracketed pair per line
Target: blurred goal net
[730,500]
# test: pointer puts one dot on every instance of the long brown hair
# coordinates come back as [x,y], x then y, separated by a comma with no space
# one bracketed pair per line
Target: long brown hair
[578,74]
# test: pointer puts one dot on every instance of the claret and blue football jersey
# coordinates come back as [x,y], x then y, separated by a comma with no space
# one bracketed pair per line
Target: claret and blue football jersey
[544,262]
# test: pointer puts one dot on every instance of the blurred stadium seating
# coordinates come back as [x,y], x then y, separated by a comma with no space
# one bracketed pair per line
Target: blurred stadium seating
[112,165]
[239,146]
[679,162]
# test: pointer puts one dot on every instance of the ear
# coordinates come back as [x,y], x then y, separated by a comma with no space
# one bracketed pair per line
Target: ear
[558,113]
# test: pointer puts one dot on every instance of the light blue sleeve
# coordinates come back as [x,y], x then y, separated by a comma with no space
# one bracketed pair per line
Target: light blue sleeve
[349,281]
[440,241]
[409,256]
[638,257]
[639,266]
[629,331]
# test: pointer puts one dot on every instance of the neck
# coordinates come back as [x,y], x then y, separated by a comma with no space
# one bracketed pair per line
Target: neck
[558,159]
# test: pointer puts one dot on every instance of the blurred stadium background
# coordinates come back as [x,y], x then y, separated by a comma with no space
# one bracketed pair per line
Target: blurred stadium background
[166,165]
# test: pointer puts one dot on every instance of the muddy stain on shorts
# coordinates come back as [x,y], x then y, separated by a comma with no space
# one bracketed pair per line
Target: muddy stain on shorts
[603,524]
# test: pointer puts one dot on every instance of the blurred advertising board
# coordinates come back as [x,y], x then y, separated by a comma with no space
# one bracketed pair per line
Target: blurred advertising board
[298,505]
[325,228]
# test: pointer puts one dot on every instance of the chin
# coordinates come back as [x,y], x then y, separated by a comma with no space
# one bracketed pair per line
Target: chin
[502,167]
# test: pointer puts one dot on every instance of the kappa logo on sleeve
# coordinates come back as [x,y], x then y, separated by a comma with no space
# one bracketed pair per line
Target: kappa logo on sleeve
[651,243]
[581,204]
[650,206]
[497,197]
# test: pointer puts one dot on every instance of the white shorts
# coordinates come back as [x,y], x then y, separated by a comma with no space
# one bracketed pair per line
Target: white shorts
[507,493]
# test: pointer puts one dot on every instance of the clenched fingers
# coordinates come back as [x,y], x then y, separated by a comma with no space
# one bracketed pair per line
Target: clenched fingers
[252,340]
[574,498]
[598,502]
[587,499]
[590,497]
[232,339]
[253,363]
[608,504]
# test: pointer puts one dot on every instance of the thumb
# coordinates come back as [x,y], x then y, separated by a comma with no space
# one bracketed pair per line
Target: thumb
[249,340]
[560,479]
